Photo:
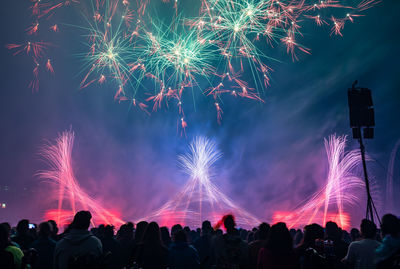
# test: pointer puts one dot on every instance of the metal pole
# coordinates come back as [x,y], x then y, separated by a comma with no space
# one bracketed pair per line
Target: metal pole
[369,198]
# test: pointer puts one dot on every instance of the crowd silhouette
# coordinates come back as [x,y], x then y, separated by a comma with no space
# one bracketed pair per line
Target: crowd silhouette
[147,246]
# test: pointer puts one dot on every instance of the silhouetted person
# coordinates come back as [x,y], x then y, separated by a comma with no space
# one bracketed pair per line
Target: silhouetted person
[14,250]
[390,229]
[255,246]
[112,246]
[126,239]
[78,245]
[355,234]
[334,234]
[151,252]
[230,250]
[181,254]
[129,247]
[176,228]
[312,232]
[298,238]
[361,254]
[278,252]
[45,247]
[6,258]
[308,251]
[23,237]
[203,244]
[54,230]
[140,230]
[165,237]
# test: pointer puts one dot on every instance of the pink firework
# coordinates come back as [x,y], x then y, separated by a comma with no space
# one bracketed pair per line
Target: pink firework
[71,197]
[338,192]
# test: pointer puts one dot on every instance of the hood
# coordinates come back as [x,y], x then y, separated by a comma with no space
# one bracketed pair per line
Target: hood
[76,237]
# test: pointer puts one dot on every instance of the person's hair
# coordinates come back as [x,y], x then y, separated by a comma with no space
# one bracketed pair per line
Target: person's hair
[368,228]
[279,241]
[23,226]
[311,233]
[206,227]
[166,238]
[176,228]
[229,222]
[109,231]
[45,229]
[180,236]
[140,229]
[332,230]
[7,225]
[390,225]
[54,227]
[263,230]
[152,234]
[355,234]
[81,220]
[4,236]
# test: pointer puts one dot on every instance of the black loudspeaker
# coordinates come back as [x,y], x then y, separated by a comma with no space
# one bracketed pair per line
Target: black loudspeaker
[361,108]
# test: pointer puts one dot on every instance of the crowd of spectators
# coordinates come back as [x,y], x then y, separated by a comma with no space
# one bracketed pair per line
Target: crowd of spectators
[147,246]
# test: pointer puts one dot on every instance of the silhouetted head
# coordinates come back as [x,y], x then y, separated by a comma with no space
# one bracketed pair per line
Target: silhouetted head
[368,229]
[229,222]
[181,236]
[54,227]
[176,228]
[390,225]
[140,229]
[81,220]
[109,231]
[206,227]
[152,234]
[45,229]
[4,237]
[23,226]
[263,230]
[7,225]
[311,233]
[279,240]
[166,238]
[130,225]
[332,230]
[355,234]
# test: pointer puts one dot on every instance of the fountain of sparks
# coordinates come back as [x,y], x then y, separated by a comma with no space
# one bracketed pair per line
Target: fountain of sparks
[71,197]
[338,192]
[200,199]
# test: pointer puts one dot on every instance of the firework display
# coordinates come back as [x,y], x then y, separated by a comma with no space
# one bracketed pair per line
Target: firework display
[200,198]
[71,197]
[340,189]
[152,62]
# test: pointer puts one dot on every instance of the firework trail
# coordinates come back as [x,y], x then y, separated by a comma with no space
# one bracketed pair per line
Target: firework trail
[389,206]
[199,198]
[339,191]
[60,172]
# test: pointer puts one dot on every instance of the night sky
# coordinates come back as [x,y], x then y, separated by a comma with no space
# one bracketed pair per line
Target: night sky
[273,153]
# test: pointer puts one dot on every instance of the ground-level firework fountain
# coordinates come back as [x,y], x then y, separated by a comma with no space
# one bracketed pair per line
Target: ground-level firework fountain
[71,197]
[338,192]
[200,198]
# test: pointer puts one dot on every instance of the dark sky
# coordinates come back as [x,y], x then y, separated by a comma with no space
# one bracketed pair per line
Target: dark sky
[273,153]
